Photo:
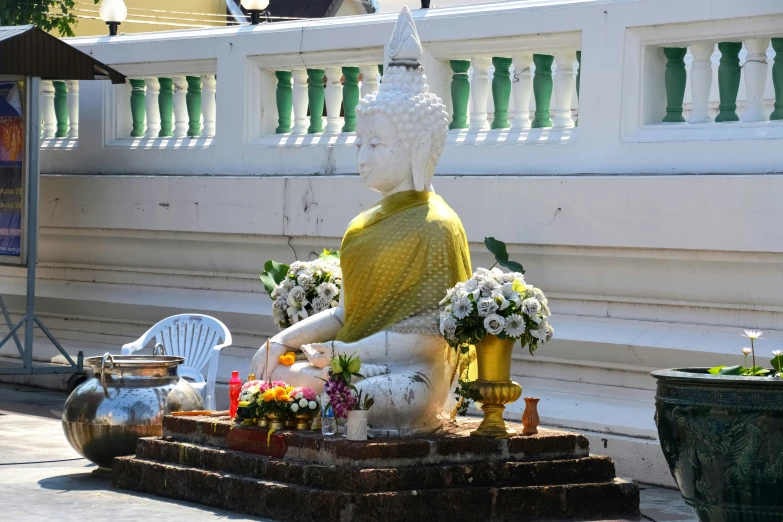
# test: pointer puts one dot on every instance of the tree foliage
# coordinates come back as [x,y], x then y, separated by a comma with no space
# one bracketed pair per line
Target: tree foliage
[48,15]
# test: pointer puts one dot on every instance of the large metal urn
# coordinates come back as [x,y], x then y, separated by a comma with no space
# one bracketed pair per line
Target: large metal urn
[125,400]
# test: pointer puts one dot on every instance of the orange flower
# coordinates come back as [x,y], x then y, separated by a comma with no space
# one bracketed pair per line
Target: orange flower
[269,395]
[287,358]
[281,395]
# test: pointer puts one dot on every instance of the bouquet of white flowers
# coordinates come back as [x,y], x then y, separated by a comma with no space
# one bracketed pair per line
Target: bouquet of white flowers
[304,288]
[494,302]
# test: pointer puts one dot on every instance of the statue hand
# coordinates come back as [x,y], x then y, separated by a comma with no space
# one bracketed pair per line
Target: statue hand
[259,360]
[320,354]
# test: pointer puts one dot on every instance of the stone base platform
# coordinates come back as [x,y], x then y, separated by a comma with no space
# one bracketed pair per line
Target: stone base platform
[450,477]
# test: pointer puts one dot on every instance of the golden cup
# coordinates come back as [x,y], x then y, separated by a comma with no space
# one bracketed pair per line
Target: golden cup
[493,356]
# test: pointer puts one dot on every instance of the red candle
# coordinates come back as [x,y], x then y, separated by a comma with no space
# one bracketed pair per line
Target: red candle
[234,389]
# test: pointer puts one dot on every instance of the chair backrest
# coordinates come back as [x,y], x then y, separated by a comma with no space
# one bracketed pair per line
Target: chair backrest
[191,336]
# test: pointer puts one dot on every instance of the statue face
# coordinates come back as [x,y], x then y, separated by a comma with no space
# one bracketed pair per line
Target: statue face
[384,161]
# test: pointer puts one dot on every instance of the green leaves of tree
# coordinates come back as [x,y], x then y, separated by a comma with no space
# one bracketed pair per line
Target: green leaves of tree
[47,15]
[498,249]
[273,274]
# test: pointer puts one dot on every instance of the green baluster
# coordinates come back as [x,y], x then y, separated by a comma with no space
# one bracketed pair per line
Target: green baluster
[578,78]
[166,107]
[315,96]
[380,70]
[777,79]
[729,75]
[284,95]
[542,89]
[61,108]
[138,111]
[460,94]
[501,92]
[193,101]
[350,97]
[675,78]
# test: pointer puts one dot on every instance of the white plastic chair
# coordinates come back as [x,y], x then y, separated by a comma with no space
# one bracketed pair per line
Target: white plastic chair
[195,337]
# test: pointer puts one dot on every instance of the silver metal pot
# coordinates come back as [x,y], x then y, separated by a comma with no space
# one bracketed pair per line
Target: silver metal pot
[125,400]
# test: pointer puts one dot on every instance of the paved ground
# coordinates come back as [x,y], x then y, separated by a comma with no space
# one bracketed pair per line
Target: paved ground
[42,478]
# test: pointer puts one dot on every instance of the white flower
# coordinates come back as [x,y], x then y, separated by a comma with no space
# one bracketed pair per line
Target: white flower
[515,325]
[328,291]
[549,332]
[303,403]
[502,302]
[494,324]
[531,306]
[752,334]
[312,405]
[298,295]
[320,304]
[294,407]
[448,297]
[488,286]
[298,396]
[747,350]
[538,294]
[486,306]
[296,313]
[448,326]
[497,274]
[463,307]
[542,332]
[509,293]
[305,280]
[777,353]
[472,287]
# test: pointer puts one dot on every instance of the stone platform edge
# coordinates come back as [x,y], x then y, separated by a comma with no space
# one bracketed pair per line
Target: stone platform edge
[452,445]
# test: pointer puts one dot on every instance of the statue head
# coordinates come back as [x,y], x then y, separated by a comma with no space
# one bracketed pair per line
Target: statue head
[401,129]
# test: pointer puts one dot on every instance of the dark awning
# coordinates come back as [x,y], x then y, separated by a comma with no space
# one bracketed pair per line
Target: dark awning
[26,50]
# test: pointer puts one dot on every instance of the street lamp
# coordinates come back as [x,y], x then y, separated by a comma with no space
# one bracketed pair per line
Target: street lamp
[255,8]
[113,12]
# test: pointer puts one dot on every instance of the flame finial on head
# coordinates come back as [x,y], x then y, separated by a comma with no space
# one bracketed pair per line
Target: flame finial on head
[405,46]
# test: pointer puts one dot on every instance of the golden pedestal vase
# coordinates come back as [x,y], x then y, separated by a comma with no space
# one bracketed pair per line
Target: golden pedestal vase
[493,356]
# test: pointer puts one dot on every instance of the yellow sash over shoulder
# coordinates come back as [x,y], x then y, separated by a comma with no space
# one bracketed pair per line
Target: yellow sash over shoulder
[398,259]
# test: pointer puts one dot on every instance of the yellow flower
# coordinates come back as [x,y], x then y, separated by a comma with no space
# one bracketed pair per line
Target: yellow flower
[281,395]
[269,395]
[287,358]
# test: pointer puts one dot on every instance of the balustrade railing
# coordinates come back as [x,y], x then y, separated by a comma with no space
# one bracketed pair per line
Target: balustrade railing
[730,66]
[59,110]
[167,107]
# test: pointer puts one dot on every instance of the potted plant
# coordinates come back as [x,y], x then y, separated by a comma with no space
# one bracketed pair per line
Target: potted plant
[491,311]
[721,432]
[346,400]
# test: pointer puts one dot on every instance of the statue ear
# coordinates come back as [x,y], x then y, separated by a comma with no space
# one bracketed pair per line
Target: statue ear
[420,156]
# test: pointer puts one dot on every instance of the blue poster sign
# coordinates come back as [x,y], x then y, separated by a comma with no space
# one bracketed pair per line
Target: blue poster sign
[11,168]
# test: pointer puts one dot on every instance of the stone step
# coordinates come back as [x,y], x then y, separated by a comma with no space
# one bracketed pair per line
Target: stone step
[296,503]
[375,480]
[451,446]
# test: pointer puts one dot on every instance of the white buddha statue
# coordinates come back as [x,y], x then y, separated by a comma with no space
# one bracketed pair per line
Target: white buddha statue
[398,259]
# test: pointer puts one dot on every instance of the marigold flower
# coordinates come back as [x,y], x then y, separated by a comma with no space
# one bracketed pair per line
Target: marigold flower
[269,395]
[281,395]
[287,358]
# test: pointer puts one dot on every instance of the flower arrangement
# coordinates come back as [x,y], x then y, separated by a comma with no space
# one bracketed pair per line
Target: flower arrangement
[344,396]
[304,400]
[267,399]
[752,371]
[304,288]
[493,302]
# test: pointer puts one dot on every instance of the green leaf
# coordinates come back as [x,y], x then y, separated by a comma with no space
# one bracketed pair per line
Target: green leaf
[513,266]
[777,363]
[716,370]
[496,248]
[327,253]
[731,370]
[273,274]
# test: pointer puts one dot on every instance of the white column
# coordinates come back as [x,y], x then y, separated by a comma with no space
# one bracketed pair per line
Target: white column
[755,72]
[369,79]
[565,85]
[333,97]
[208,103]
[151,107]
[479,92]
[47,109]
[521,88]
[73,108]
[300,102]
[180,106]
[701,82]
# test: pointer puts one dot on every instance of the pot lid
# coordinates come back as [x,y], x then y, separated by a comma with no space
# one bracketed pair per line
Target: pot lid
[117,363]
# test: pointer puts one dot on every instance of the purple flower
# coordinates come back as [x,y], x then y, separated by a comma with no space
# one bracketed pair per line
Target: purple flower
[341,397]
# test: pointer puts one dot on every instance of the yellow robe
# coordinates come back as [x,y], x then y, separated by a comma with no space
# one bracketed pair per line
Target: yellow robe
[398,259]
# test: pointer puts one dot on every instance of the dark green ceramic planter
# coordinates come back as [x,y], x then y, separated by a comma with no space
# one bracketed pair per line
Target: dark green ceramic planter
[722,437]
